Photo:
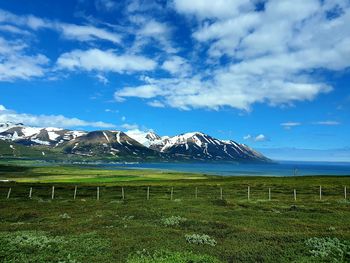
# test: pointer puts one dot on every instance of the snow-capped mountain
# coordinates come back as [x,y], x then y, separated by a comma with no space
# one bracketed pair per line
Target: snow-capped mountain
[107,143]
[201,146]
[132,144]
[37,136]
[145,138]
[197,145]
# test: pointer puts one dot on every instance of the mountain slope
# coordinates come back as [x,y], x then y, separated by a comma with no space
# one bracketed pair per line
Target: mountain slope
[117,145]
[14,150]
[200,146]
[37,136]
[108,143]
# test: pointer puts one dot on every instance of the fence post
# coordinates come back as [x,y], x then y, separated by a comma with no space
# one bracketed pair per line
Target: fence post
[345,192]
[196,193]
[8,193]
[123,196]
[221,197]
[171,193]
[53,193]
[320,192]
[30,193]
[269,194]
[295,194]
[75,192]
[148,193]
[248,192]
[98,193]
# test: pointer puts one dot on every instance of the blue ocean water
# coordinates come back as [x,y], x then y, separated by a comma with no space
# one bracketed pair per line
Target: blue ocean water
[282,168]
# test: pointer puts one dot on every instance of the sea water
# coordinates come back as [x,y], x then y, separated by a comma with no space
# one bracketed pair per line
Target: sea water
[282,168]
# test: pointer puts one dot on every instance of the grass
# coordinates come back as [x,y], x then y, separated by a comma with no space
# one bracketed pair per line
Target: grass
[159,229]
[80,174]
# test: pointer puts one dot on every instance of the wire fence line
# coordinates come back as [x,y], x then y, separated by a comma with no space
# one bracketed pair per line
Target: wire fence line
[173,193]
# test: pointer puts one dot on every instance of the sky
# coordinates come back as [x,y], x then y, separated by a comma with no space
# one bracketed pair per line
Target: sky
[273,74]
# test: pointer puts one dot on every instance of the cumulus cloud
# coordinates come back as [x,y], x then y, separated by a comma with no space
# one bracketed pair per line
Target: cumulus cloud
[153,28]
[327,123]
[212,9]
[102,79]
[270,54]
[177,65]
[129,126]
[260,138]
[150,32]
[70,31]
[7,115]
[145,91]
[99,60]
[257,138]
[239,53]
[106,5]
[16,63]
[226,89]
[247,137]
[156,104]
[85,33]
[289,125]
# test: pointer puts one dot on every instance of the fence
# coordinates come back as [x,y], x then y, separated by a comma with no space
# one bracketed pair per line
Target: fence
[244,192]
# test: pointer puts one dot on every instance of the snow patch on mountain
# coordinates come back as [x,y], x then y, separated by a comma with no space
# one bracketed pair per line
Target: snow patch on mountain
[145,138]
[106,136]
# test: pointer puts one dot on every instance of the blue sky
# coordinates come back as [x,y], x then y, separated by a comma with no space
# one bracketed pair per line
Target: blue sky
[272,74]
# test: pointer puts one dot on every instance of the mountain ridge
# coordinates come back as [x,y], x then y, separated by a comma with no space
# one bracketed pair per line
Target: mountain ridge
[115,144]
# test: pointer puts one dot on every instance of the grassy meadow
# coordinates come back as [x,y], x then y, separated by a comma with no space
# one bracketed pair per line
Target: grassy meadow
[183,217]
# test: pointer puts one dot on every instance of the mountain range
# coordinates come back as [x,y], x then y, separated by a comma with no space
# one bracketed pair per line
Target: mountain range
[18,140]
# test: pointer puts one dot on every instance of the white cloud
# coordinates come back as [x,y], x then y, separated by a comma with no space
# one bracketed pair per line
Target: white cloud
[270,54]
[239,56]
[260,138]
[156,104]
[85,33]
[112,111]
[212,9]
[177,65]
[289,125]
[106,5]
[99,60]
[327,123]
[247,137]
[150,32]
[145,91]
[14,30]
[153,28]
[257,138]
[15,63]
[102,79]
[226,89]
[7,115]
[70,31]
[129,126]
[268,66]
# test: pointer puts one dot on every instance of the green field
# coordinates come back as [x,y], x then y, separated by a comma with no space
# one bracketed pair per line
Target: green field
[78,174]
[165,227]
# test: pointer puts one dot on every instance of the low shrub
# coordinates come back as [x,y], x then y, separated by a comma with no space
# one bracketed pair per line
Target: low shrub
[170,257]
[329,249]
[200,240]
[39,246]
[33,240]
[173,220]
[65,216]
[331,228]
